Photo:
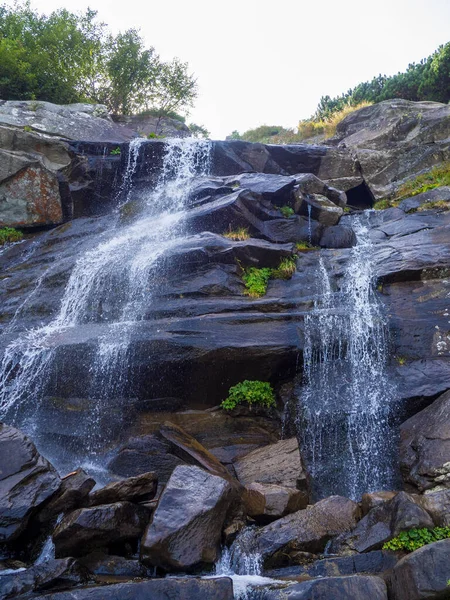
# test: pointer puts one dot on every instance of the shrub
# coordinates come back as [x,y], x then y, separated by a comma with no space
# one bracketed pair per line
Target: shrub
[240,234]
[251,392]
[8,234]
[416,538]
[256,281]
[287,211]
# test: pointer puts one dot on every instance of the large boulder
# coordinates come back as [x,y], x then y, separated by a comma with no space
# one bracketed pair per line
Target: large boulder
[186,527]
[425,447]
[88,529]
[307,530]
[279,464]
[27,481]
[396,140]
[175,588]
[422,574]
[87,122]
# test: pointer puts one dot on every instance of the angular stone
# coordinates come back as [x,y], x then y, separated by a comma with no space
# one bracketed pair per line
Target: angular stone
[135,489]
[88,529]
[437,505]
[382,523]
[319,207]
[187,524]
[425,446]
[74,489]
[422,574]
[27,481]
[106,565]
[267,502]
[278,464]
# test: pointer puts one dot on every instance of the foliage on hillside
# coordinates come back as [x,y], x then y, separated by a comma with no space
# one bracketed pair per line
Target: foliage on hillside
[67,57]
[427,80]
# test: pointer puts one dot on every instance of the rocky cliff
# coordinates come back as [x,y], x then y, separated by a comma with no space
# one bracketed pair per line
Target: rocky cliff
[124,322]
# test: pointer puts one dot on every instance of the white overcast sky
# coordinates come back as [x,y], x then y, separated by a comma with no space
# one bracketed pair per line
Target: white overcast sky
[269,61]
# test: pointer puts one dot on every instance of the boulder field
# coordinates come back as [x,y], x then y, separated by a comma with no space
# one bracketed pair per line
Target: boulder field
[181,479]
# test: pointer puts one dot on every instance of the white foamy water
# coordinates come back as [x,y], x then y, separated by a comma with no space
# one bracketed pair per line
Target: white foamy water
[346,399]
[112,284]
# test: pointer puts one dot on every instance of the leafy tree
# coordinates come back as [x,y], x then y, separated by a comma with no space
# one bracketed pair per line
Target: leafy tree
[131,70]
[67,57]
[198,131]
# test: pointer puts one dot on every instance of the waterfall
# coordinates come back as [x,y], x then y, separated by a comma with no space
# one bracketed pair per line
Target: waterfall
[110,284]
[243,565]
[345,402]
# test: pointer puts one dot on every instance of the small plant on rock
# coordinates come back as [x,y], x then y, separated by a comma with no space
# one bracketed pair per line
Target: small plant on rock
[305,246]
[416,538]
[285,269]
[287,211]
[115,151]
[9,234]
[252,392]
[256,281]
[239,235]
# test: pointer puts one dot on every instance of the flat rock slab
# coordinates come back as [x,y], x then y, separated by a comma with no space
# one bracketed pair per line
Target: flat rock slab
[134,489]
[358,587]
[27,480]
[155,589]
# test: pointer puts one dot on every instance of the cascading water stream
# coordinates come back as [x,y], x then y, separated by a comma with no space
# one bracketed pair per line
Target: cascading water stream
[345,404]
[244,566]
[111,284]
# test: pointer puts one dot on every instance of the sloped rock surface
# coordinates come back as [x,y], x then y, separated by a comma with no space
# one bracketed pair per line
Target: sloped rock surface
[87,122]
[73,492]
[422,574]
[27,480]
[425,446]
[306,530]
[396,140]
[186,526]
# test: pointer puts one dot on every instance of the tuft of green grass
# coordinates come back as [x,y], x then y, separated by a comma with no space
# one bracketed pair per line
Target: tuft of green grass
[434,204]
[250,392]
[239,235]
[386,203]
[312,127]
[285,269]
[256,281]
[115,151]
[9,234]
[436,177]
[305,246]
[287,211]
